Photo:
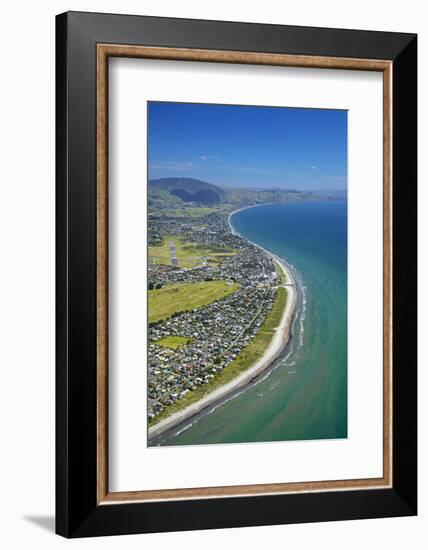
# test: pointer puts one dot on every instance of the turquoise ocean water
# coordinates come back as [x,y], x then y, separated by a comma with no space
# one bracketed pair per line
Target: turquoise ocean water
[304,396]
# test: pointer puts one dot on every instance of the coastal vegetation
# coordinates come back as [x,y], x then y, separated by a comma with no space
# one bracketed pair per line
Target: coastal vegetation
[280,273]
[249,355]
[174,298]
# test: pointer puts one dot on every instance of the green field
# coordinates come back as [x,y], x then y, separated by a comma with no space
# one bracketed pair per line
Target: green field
[245,359]
[188,254]
[190,211]
[282,278]
[172,342]
[171,299]
[187,211]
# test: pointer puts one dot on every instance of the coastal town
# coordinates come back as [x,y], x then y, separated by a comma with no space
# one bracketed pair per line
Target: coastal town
[190,346]
[244,333]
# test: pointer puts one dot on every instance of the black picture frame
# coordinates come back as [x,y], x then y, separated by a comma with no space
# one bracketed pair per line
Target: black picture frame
[78,513]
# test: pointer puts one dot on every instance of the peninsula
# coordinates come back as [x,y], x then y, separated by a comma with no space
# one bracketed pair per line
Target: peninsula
[220,307]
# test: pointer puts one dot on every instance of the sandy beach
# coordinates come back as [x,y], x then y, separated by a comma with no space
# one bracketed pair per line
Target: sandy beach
[274,349]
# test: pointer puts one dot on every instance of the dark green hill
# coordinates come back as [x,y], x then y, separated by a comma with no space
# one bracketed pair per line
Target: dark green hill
[186,190]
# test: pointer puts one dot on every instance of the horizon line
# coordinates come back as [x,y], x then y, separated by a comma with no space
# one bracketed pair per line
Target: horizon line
[256,187]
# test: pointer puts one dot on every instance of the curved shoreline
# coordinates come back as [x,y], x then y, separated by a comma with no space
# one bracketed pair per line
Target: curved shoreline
[274,349]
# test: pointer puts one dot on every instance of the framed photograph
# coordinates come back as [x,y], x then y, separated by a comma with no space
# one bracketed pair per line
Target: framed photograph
[236,274]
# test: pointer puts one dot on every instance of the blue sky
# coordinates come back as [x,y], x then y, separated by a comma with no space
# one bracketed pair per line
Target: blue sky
[240,146]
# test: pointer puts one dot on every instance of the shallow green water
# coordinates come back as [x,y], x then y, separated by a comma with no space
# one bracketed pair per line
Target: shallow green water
[305,395]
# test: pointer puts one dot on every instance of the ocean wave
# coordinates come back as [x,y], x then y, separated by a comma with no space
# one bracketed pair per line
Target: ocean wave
[185,428]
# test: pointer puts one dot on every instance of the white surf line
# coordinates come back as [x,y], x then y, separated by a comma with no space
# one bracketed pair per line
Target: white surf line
[272,352]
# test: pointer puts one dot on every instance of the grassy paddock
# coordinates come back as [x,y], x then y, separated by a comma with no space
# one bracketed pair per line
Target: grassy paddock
[173,342]
[245,359]
[170,299]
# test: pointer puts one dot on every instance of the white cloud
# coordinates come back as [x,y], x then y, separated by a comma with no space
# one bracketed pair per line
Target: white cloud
[172,165]
[210,157]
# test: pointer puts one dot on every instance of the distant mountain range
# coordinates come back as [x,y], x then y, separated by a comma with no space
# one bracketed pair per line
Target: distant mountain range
[331,193]
[170,192]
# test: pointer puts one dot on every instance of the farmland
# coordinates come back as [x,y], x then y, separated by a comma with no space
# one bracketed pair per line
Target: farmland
[175,298]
